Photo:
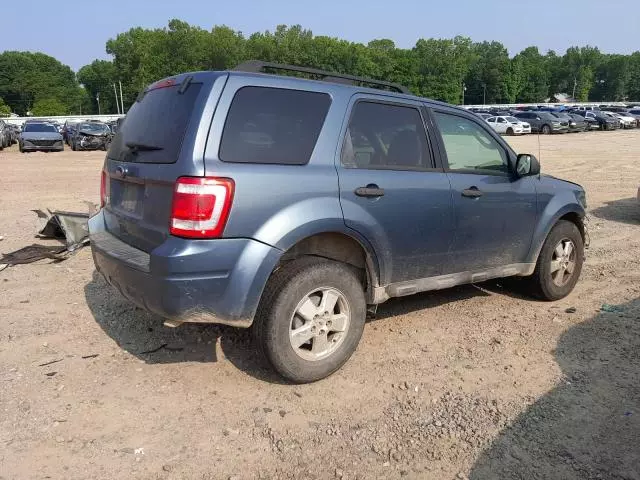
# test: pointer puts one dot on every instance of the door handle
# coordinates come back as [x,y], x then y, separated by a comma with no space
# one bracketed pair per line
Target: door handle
[472,192]
[369,191]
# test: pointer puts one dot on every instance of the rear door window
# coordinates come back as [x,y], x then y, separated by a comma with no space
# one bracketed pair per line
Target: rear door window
[155,125]
[384,136]
[273,126]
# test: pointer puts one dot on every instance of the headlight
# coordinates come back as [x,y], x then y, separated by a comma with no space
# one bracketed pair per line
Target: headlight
[581,195]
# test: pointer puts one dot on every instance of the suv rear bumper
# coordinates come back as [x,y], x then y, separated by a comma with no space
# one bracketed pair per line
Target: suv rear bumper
[202,281]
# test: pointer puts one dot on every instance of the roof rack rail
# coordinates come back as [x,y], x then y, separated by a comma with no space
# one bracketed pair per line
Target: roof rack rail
[258,66]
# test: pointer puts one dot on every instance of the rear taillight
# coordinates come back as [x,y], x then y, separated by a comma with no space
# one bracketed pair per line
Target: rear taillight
[104,189]
[200,206]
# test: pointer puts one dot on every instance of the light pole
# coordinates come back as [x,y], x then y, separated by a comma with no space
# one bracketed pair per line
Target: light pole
[115,92]
[484,93]
[121,102]
[464,89]
[575,84]
[98,100]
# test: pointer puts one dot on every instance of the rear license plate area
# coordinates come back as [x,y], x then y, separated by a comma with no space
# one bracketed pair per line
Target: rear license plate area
[127,197]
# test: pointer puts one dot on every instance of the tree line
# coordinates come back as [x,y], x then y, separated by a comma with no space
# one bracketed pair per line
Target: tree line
[455,70]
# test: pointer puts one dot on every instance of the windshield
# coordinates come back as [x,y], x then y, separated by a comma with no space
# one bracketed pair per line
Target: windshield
[512,120]
[94,127]
[39,127]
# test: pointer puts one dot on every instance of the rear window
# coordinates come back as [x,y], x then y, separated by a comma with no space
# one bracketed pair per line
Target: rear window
[155,126]
[272,125]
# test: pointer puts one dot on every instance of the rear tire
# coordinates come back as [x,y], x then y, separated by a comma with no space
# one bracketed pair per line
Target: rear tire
[559,263]
[546,129]
[325,339]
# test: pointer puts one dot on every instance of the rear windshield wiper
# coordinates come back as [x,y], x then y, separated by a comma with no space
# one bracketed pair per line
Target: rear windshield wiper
[141,147]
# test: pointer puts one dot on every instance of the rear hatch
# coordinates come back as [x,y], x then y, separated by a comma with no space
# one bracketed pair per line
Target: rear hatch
[161,139]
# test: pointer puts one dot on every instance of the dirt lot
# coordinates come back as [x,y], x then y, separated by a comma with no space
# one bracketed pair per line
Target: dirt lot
[475,382]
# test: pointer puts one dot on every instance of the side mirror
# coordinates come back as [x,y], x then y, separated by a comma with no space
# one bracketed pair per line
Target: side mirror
[527,165]
[538,118]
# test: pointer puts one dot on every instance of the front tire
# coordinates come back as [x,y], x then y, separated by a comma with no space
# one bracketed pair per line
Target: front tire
[310,319]
[509,131]
[559,263]
[546,129]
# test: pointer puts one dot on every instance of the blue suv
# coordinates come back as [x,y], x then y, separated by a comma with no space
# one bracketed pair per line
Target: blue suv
[294,206]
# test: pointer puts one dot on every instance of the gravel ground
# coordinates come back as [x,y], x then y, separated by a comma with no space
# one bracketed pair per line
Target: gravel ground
[475,382]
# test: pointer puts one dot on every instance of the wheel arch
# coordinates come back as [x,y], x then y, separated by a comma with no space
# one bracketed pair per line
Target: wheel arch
[572,212]
[339,245]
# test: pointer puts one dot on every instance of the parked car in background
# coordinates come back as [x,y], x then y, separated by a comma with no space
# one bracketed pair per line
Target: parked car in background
[11,133]
[4,135]
[635,113]
[241,215]
[564,117]
[15,133]
[543,122]
[580,123]
[614,109]
[484,115]
[604,122]
[591,122]
[626,120]
[588,109]
[507,125]
[40,136]
[616,118]
[91,136]
[68,130]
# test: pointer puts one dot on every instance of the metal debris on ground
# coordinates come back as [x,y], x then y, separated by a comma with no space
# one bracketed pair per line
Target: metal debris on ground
[51,362]
[611,308]
[70,227]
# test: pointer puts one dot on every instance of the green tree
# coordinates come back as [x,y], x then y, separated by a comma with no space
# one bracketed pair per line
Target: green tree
[611,78]
[98,79]
[489,72]
[5,110]
[441,67]
[46,107]
[574,72]
[633,77]
[27,77]
[534,85]
[436,68]
[225,48]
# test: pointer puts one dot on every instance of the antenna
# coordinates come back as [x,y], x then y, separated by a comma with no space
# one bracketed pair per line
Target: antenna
[539,150]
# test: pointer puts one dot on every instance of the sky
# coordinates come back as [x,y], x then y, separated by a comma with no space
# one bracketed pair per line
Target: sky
[75,32]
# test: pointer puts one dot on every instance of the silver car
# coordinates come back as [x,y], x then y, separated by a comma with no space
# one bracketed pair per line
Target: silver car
[40,136]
